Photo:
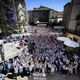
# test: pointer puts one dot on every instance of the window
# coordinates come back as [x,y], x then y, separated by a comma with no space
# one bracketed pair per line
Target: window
[78,28]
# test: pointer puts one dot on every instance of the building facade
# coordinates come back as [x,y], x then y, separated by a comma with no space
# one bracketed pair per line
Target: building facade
[60,17]
[72,19]
[6,17]
[20,8]
[42,14]
[12,16]
[67,13]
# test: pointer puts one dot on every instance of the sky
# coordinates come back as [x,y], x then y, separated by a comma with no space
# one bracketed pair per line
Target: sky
[54,4]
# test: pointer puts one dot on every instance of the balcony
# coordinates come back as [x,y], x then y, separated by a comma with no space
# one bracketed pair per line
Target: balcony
[78,19]
[73,32]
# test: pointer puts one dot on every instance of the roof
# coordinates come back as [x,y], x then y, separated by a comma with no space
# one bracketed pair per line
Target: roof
[44,8]
[60,14]
[68,4]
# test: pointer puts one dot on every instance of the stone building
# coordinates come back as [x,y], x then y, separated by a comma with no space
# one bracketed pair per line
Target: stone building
[60,17]
[67,12]
[72,19]
[12,16]
[42,15]
[20,6]
[6,17]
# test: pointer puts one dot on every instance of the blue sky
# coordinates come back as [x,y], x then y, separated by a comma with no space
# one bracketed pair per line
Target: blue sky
[54,4]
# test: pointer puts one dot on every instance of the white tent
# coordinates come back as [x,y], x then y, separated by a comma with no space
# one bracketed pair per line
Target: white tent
[63,39]
[72,44]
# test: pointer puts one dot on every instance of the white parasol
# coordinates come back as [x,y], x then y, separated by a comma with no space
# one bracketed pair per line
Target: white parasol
[72,44]
[63,39]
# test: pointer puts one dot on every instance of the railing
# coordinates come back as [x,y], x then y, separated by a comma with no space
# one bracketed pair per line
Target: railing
[73,32]
[78,17]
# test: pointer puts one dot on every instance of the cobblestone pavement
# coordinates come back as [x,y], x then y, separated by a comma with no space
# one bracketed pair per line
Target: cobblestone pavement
[20,78]
[56,76]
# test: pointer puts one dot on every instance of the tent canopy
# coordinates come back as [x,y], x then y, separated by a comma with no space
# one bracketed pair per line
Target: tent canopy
[72,44]
[63,39]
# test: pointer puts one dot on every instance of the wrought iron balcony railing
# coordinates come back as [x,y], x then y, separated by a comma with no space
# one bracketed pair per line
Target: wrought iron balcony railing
[76,32]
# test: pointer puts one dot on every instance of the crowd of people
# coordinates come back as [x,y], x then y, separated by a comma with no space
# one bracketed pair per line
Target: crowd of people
[45,54]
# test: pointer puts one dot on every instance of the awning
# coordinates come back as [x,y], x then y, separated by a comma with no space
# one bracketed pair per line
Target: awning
[59,27]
